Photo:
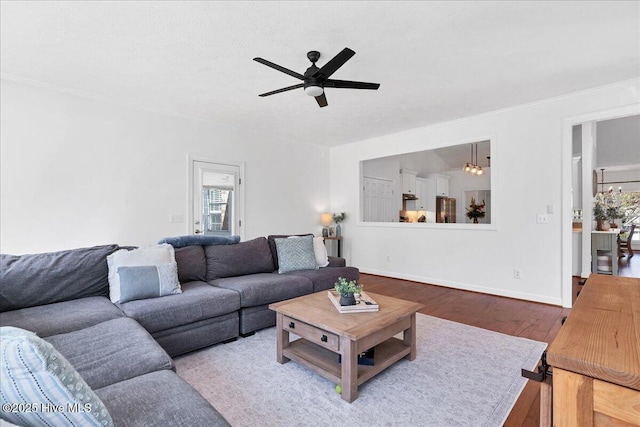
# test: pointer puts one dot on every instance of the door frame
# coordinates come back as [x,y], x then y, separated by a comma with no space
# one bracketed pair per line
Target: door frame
[239,193]
[567,214]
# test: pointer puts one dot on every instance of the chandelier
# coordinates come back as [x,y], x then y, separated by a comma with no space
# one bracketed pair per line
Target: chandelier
[473,167]
[610,187]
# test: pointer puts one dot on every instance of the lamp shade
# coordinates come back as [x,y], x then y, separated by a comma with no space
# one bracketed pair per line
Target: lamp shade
[326,219]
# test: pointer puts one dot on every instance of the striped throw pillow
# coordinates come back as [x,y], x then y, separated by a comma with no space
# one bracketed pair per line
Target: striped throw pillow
[39,387]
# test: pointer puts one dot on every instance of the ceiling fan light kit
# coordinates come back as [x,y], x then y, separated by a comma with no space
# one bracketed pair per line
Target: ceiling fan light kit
[313,90]
[316,79]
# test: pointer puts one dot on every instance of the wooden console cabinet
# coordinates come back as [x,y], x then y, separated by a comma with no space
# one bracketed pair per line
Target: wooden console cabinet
[596,358]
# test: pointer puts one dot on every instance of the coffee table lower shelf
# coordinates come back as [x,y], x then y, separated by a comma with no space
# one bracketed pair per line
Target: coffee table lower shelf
[325,362]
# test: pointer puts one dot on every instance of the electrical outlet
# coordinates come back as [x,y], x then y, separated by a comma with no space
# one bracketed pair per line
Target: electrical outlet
[517,273]
[388,258]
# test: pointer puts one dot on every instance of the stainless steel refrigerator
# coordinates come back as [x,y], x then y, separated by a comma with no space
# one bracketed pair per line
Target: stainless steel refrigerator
[445,209]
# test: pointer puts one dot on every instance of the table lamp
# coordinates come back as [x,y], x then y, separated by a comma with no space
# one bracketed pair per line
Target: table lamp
[326,219]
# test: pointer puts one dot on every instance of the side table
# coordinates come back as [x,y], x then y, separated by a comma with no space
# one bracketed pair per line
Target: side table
[338,239]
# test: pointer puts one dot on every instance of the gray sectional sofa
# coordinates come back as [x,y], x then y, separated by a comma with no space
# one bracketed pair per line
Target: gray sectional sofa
[123,351]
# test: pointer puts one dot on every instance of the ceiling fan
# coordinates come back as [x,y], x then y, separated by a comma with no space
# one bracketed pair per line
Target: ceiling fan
[316,79]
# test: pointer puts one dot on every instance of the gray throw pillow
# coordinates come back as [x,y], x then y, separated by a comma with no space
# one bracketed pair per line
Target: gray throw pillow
[250,257]
[38,279]
[148,281]
[295,253]
[192,264]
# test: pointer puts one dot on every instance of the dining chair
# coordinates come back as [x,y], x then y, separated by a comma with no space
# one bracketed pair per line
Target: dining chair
[625,245]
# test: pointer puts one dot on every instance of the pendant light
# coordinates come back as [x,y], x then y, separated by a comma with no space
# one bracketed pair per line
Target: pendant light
[479,170]
[467,167]
[473,167]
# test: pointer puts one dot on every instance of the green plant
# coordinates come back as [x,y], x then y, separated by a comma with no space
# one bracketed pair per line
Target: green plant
[606,206]
[344,287]
[599,210]
[339,218]
[613,213]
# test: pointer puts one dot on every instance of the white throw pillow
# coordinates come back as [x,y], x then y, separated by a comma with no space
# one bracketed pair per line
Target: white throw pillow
[320,251]
[150,255]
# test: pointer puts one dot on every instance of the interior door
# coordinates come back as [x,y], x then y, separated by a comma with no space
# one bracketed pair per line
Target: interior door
[216,194]
[377,200]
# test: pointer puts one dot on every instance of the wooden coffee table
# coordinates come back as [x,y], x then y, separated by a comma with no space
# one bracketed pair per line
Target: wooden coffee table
[325,333]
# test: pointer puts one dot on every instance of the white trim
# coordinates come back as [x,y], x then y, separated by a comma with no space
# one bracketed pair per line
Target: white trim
[191,158]
[466,287]
[430,225]
[567,158]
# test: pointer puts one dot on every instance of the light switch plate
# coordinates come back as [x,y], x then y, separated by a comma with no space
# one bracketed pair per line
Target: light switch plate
[176,218]
[542,219]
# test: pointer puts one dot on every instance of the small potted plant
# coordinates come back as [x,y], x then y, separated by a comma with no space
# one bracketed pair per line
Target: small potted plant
[347,289]
[600,213]
[338,219]
[613,213]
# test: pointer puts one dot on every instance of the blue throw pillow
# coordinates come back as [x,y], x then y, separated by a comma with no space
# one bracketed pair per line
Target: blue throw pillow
[148,281]
[295,253]
[39,387]
[200,239]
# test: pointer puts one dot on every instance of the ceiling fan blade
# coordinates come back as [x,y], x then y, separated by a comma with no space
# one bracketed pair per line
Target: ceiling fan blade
[284,89]
[336,62]
[322,100]
[346,84]
[279,68]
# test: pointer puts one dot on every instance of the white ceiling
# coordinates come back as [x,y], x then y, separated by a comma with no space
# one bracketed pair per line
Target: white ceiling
[618,143]
[436,61]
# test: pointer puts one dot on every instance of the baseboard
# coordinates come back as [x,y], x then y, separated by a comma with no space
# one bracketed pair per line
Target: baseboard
[467,287]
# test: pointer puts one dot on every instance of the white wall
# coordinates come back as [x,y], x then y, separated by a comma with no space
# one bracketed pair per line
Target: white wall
[527,176]
[79,172]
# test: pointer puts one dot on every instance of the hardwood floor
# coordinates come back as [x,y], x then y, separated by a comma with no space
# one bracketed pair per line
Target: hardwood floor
[536,321]
[629,267]
[540,322]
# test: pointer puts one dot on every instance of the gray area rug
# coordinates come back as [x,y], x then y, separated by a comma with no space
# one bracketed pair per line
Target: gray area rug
[462,376]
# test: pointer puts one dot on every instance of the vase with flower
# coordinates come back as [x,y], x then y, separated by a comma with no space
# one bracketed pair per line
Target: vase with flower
[475,211]
[338,219]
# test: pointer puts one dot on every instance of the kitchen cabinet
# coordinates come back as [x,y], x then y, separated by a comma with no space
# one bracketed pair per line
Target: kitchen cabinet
[408,181]
[438,184]
[604,246]
[442,186]
[422,193]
